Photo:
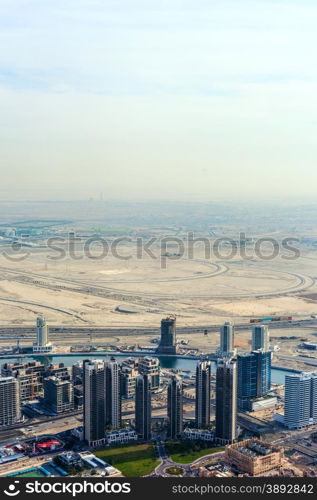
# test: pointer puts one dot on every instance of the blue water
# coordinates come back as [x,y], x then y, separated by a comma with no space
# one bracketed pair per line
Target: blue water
[278,376]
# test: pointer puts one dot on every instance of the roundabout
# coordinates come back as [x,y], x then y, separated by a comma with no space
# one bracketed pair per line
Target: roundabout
[174,471]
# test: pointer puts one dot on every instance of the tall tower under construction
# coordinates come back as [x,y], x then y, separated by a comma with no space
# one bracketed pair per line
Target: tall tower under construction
[168,336]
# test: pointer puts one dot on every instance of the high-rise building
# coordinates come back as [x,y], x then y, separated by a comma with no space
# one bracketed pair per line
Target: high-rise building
[78,397]
[313,402]
[42,343]
[58,370]
[202,408]
[175,407]
[58,395]
[77,373]
[94,401]
[226,401]
[30,384]
[168,343]
[132,362]
[227,338]
[143,410]
[41,331]
[30,377]
[151,367]
[300,400]
[128,375]
[254,377]
[113,396]
[260,338]
[10,411]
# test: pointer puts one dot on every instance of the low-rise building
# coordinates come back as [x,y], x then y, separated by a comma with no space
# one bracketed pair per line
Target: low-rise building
[111,471]
[198,434]
[309,345]
[254,456]
[121,436]
[90,460]
[103,467]
[78,433]
[263,403]
[70,459]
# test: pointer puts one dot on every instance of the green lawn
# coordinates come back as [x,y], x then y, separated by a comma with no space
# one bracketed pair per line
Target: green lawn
[186,452]
[132,461]
[174,471]
[35,473]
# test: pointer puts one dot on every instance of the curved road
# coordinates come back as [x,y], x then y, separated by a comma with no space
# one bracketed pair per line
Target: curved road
[167,462]
[303,283]
[29,302]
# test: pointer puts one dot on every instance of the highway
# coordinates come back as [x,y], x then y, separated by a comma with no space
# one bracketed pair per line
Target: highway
[59,332]
[99,290]
[303,359]
[37,424]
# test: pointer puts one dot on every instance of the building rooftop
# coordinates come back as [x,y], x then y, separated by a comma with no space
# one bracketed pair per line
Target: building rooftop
[254,448]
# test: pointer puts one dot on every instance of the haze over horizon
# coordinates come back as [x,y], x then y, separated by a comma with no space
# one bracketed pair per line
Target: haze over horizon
[185,100]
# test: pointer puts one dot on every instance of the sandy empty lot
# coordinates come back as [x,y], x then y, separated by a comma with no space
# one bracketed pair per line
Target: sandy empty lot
[87,291]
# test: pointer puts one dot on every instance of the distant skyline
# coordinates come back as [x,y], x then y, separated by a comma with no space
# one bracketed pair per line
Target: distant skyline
[196,100]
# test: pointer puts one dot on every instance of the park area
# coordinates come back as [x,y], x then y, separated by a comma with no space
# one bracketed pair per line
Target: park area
[132,461]
[186,452]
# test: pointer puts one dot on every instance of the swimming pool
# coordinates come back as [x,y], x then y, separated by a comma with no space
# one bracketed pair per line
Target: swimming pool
[32,472]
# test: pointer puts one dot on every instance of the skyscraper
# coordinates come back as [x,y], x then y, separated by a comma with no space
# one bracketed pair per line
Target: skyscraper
[313,402]
[254,377]
[58,395]
[260,338]
[128,375]
[227,338]
[10,411]
[168,336]
[143,410]
[78,373]
[226,401]
[202,408]
[113,396]
[94,401]
[150,366]
[41,331]
[175,407]
[42,343]
[300,400]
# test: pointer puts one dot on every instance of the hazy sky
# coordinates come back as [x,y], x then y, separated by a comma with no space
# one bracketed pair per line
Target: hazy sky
[192,99]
